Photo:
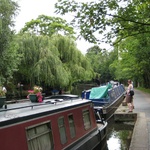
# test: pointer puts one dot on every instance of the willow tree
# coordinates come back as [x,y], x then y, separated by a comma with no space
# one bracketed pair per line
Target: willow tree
[64,55]
[76,64]
[40,62]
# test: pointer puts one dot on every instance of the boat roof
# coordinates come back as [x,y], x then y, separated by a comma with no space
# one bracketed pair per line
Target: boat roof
[63,96]
[25,109]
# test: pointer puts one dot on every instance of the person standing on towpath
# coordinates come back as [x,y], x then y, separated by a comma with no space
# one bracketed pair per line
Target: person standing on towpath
[129,96]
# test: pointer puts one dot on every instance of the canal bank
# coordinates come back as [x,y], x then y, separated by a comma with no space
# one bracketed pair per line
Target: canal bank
[140,136]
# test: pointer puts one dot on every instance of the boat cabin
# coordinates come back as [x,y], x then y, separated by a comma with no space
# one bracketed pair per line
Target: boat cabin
[50,125]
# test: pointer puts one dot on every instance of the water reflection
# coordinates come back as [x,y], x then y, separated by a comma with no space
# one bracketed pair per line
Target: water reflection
[119,135]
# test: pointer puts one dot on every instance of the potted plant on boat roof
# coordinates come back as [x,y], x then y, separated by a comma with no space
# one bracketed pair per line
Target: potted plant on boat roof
[2,96]
[35,95]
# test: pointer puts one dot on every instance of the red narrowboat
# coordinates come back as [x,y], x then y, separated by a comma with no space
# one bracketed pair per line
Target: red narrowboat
[51,125]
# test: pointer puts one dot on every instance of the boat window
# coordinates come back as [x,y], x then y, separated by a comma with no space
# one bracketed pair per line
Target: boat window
[40,137]
[62,130]
[86,119]
[72,126]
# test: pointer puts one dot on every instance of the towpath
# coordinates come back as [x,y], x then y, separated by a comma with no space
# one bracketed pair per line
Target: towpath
[141,133]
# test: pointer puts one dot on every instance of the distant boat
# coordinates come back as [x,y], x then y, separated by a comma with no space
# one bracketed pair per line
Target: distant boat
[106,98]
[53,124]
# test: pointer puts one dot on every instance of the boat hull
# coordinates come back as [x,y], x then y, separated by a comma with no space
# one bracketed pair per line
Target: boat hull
[107,111]
[93,141]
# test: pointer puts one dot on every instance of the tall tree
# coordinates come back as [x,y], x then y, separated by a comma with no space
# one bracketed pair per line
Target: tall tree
[142,57]
[8,53]
[61,45]
[76,64]
[133,60]
[100,61]
[94,54]
[40,62]
[47,25]
[51,60]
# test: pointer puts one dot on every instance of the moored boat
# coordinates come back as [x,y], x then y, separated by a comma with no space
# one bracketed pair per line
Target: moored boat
[106,99]
[51,125]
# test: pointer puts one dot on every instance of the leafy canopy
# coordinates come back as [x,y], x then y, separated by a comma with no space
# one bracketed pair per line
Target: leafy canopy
[47,25]
[110,18]
[53,61]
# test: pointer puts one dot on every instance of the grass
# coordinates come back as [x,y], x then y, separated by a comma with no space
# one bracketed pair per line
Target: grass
[144,89]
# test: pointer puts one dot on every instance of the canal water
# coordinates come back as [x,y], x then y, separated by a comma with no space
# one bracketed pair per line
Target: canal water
[119,135]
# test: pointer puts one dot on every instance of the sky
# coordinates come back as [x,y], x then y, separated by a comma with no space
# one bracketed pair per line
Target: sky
[31,9]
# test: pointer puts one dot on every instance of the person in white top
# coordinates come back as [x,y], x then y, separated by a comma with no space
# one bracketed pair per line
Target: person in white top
[129,97]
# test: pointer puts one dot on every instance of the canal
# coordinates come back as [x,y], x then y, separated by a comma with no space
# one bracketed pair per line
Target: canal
[119,135]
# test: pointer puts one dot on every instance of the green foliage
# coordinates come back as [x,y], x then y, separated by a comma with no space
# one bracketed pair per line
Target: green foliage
[39,54]
[100,61]
[10,61]
[73,60]
[8,50]
[144,89]
[40,62]
[51,60]
[126,25]
[8,10]
[94,54]
[119,18]
[133,60]
[46,25]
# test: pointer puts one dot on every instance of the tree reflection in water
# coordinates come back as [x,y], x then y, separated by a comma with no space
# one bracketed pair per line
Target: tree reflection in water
[119,135]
